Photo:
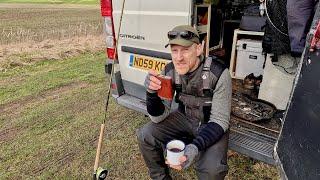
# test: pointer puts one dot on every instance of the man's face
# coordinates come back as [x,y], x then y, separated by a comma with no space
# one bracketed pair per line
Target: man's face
[185,59]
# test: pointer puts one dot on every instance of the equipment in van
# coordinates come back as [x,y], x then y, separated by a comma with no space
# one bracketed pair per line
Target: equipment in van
[252,19]
[250,58]
[253,23]
[250,109]
[278,81]
[276,39]
[252,82]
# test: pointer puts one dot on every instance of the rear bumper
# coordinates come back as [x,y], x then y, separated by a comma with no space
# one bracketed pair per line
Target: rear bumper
[132,102]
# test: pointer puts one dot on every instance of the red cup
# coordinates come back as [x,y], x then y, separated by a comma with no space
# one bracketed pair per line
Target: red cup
[165,92]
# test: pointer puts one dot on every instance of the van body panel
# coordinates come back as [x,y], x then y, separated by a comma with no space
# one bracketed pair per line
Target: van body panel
[144,25]
[298,147]
[299,144]
[134,89]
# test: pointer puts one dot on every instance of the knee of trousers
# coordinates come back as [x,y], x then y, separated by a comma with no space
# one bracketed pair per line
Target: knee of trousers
[213,164]
[144,134]
[214,171]
[213,168]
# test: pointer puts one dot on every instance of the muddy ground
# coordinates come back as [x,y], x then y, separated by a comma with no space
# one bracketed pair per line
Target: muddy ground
[21,54]
[34,32]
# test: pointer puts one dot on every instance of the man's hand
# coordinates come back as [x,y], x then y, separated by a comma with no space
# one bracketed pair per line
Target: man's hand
[152,83]
[190,152]
[182,159]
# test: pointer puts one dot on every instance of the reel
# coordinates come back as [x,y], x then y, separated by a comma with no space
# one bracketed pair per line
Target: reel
[101,174]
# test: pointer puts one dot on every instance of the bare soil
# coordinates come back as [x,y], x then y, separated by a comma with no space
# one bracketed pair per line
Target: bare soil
[8,134]
[21,54]
[50,6]
[34,32]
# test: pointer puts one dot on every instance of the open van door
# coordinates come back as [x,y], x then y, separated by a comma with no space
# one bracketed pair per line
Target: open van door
[143,36]
[298,148]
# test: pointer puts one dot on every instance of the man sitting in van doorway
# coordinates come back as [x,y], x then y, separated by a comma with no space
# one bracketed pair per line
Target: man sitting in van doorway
[203,91]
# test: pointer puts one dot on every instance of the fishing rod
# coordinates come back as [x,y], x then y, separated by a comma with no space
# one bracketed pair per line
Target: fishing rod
[100,173]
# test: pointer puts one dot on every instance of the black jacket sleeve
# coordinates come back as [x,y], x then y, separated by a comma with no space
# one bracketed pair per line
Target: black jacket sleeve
[155,107]
[210,134]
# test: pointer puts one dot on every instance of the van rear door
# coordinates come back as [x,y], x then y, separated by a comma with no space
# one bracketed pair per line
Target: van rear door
[142,37]
[298,148]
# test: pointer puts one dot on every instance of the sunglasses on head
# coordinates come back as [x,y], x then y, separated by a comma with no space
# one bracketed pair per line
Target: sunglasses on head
[183,34]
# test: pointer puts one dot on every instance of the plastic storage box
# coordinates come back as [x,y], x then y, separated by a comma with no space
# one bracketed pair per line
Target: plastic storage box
[249,58]
[276,85]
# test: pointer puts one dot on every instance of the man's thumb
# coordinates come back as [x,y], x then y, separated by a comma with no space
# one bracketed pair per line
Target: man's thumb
[183,159]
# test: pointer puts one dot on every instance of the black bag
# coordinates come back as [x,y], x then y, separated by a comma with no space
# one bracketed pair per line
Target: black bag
[251,19]
[253,23]
[274,41]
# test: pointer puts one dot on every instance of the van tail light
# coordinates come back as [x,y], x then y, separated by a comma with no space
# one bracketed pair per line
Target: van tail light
[111,53]
[114,86]
[106,7]
[106,12]
[315,42]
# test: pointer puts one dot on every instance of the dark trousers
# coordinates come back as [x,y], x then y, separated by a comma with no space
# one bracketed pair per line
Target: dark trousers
[211,164]
[300,14]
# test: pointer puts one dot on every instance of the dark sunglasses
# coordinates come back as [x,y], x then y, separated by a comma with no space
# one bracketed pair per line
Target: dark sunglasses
[183,34]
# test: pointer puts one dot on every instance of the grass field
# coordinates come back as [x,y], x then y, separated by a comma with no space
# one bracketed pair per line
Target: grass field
[31,32]
[22,23]
[50,115]
[52,1]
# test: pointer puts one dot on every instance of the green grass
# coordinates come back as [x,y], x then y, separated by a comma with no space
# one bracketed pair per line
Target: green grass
[50,116]
[54,130]
[53,1]
[33,80]
[50,119]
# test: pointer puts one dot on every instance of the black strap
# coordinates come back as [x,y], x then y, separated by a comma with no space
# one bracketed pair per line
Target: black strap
[217,69]
[205,73]
[178,86]
[206,80]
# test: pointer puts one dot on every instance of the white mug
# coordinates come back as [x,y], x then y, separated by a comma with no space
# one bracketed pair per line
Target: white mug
[175,149]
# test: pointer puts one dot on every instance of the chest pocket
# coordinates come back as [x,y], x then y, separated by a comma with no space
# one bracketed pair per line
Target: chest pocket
[194,94]
[196,107]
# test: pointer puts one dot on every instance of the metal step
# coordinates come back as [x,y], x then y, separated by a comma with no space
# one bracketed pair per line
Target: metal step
[131,102]
[254,145]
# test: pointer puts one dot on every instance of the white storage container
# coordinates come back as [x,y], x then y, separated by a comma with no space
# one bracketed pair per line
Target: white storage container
[276,85]
[249,58]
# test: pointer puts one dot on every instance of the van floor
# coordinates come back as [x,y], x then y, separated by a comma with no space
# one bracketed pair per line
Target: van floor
[270,127]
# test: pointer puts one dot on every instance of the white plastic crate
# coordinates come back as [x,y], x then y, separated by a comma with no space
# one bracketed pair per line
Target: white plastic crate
[249,58]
